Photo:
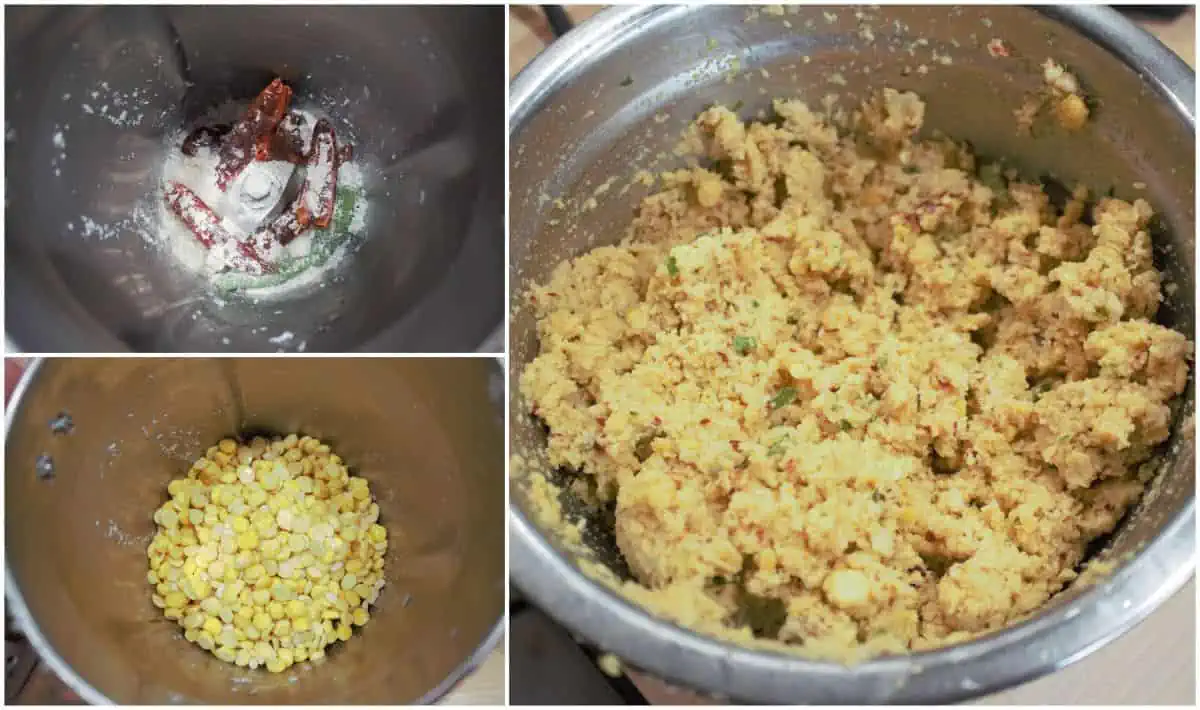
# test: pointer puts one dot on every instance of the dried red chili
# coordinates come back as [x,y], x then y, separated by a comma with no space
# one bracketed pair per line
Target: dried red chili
[249,249]
[266,131]
[286,143]
[284,228]
[252,135]
[197,216]
[204,136]
[206,225]
[318,194]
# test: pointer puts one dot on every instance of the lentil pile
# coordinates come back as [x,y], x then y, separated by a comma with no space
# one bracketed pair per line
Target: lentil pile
[268,552]
[853,392]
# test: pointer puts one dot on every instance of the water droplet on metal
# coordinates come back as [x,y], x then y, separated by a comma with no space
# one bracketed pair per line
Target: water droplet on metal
[62,424]
[44,467]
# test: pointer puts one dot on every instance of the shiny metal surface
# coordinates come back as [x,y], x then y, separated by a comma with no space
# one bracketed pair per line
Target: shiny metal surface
[422,88]
[422,431]
[585,111]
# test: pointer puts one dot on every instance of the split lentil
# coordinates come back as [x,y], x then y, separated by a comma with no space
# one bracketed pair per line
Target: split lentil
[267,552]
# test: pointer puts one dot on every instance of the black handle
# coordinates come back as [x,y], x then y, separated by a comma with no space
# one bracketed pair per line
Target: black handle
[1162,12]
[560,21]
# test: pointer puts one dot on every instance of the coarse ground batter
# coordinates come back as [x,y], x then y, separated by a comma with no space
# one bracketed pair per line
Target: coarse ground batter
[853,392]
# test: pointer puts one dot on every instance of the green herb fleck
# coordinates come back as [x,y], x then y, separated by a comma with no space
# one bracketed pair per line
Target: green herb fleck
[744,344]
[755,303]
[672,266]
[737,106]
[627,81]
[778,448]
[343,211]
[846,425]
[783,398]
[911,169]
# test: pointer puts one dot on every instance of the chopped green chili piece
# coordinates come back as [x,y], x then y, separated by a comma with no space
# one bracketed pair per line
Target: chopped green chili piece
[783,398]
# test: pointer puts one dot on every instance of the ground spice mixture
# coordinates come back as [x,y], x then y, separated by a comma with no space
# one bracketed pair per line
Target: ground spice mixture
[854,392]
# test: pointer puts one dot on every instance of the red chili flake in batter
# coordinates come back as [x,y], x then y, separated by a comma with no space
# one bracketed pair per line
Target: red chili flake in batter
[998,48]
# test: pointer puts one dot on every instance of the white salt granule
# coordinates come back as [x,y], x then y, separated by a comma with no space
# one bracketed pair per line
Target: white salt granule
[120,108]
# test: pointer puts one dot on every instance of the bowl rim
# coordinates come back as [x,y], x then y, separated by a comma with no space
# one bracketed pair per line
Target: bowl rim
[1049,640]
[23,617]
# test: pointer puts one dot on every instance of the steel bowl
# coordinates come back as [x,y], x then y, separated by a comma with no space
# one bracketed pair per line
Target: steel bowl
[616,92]
[92,443]
[419,88]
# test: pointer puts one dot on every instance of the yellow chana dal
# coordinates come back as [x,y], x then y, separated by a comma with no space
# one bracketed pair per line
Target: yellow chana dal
[268,552]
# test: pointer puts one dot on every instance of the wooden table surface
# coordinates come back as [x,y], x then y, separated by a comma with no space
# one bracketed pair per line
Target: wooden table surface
[1155,663]
[483,687]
